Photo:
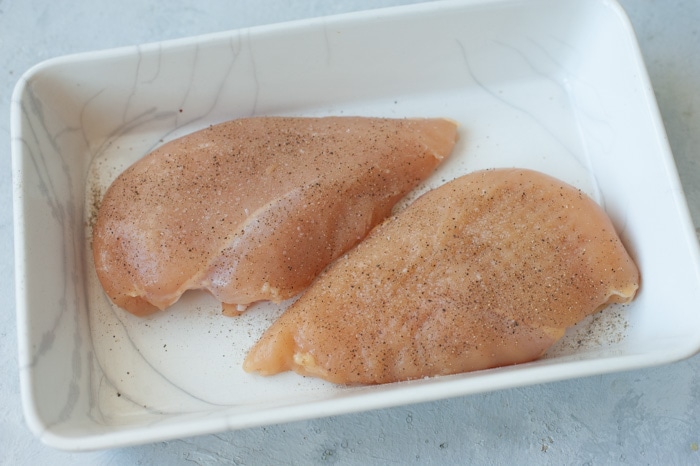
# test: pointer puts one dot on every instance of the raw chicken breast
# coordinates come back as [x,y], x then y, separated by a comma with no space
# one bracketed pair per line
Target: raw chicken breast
[484,271]
[253,209]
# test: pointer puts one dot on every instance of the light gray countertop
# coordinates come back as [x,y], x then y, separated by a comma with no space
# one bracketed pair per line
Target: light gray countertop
[649,416]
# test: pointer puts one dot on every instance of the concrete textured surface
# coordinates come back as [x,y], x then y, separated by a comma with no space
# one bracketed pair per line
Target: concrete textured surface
[649,416]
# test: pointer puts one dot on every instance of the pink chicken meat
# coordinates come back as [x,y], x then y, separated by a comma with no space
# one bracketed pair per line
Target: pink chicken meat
[254,209]
[487,270]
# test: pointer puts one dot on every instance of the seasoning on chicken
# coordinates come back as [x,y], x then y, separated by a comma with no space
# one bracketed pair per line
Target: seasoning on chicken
[253,209]
[487,270]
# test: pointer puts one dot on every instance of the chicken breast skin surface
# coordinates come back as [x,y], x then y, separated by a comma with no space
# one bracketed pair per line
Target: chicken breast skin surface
[487,270]
[254,209]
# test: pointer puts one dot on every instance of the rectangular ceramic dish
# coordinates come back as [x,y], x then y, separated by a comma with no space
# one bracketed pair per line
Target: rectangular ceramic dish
[554,85]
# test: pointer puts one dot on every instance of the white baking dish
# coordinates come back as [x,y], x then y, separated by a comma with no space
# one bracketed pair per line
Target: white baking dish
[554,85]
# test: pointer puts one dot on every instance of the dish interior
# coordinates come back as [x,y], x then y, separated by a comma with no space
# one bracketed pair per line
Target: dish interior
[531,85]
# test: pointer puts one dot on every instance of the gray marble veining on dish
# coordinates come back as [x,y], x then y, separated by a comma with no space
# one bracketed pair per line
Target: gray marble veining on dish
[48,164]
